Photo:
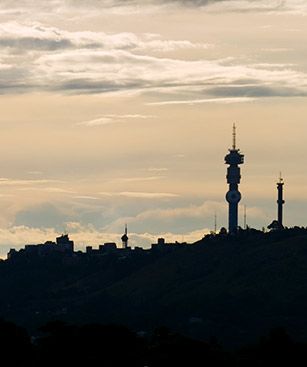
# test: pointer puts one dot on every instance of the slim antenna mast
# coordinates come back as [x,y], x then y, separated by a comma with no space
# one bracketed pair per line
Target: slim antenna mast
[244,226]
[215,222]
[234,136]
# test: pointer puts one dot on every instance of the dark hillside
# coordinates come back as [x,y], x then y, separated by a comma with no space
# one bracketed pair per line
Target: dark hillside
[233,288]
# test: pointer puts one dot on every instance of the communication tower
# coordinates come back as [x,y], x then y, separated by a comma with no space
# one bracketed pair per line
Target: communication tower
[125,238]
[234,158]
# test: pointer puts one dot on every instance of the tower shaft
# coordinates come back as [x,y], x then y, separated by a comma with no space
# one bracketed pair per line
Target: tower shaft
[280,202]
[233,218]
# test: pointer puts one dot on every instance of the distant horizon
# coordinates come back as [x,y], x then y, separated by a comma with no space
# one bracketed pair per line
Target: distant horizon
[117,112]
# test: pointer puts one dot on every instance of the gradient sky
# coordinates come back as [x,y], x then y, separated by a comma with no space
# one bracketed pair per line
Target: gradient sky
[117,112]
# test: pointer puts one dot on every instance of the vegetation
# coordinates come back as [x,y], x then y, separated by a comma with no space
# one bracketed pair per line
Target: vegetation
[60,344]
[232,288]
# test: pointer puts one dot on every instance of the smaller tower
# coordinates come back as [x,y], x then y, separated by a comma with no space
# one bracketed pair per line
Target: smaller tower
[125,238]
[280,201]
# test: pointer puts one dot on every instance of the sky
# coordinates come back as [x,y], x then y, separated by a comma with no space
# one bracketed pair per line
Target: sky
[117,112]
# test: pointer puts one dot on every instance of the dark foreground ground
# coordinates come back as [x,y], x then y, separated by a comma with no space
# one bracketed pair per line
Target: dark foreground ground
[60,344]
[233,289]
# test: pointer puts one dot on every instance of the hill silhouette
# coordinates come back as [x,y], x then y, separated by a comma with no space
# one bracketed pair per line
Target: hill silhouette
[235,288]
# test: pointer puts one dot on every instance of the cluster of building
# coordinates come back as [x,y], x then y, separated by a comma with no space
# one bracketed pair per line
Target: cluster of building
[64,246]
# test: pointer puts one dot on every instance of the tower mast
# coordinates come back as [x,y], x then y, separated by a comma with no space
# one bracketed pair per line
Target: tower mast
[234,158]
[234,137]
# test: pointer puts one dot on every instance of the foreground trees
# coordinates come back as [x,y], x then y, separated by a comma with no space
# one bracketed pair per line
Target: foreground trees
[60,344]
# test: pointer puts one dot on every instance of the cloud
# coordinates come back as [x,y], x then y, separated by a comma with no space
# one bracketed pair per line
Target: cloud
[33,36]
[11,7]
[267,6]
[206,100]
[112,119]
[176,219]
[138,179]
[24,182]
[30,43]
[35,173]
[122,71]
[92,220]
[185,219]
[85,197]
[157,169]
[217,5]
[38,224]
[52,190]
[74,9]
[40,58]
[247,93]
[43,216]
[141,195]
[19,236]
[83,235]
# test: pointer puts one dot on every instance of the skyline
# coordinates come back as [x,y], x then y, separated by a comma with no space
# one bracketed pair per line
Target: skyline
[117,112]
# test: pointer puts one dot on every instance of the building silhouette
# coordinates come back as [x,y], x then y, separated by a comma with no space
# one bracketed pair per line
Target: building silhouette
[63,245]
[234,158]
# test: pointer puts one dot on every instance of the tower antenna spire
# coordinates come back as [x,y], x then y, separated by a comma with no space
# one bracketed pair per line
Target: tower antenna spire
[280,178]
[234,136]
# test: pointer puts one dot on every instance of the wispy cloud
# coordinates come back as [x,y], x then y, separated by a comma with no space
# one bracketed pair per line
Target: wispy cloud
[52,190]
[40,58]
[85,197]
[133,6]
[12,182]
[206,100]
[32,36]
[177,219]
[141,195]
[112,119]
[138,179]
[157,169]
[35,173]
[124,71]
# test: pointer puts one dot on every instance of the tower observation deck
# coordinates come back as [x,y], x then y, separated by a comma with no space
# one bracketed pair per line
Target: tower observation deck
[234,158]
[125,238]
